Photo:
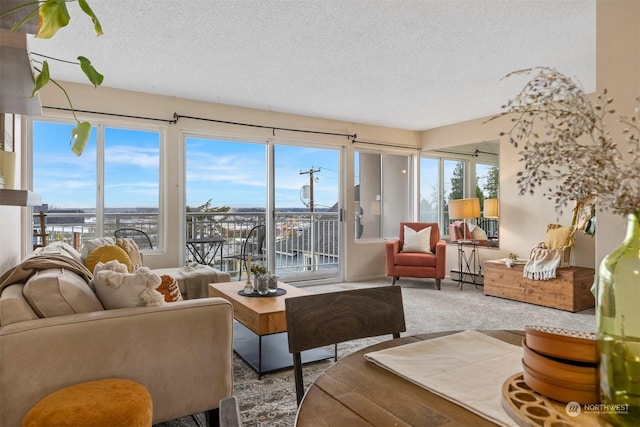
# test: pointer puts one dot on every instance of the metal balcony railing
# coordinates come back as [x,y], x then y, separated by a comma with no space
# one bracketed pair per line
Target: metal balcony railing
[304,242]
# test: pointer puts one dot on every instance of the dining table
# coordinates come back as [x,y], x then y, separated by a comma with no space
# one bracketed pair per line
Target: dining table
[356,392]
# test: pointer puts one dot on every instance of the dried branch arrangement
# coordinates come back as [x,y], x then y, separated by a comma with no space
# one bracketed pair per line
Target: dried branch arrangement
[564,142]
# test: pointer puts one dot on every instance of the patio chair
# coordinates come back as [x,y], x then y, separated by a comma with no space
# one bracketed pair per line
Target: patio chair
[330,318]
[141,238]
[252,245]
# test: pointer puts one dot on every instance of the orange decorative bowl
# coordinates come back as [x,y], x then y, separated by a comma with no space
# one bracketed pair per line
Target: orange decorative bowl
[560,390]
[562,343]
[560,369]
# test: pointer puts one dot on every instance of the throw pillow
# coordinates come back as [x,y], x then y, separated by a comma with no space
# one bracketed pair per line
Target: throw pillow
[90,245]
[131,248]
[417,241]
[169,289]
[558,237]
[57,291]
[478,233]
[107,253]
[118,289]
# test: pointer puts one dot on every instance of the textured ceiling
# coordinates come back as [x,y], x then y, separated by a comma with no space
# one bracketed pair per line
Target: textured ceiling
[405,64]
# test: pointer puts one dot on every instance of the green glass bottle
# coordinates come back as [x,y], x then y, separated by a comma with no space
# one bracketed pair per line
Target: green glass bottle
[618,319]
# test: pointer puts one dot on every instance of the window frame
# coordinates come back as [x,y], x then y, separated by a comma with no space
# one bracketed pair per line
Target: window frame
[100,126]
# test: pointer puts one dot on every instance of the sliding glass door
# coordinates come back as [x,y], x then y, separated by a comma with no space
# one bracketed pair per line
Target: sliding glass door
[307,212]
[230,187]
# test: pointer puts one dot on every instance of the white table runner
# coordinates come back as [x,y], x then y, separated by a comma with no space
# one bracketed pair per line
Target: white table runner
[467,368]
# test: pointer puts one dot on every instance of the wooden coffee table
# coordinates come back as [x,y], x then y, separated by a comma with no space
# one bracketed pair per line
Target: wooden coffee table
[260,333]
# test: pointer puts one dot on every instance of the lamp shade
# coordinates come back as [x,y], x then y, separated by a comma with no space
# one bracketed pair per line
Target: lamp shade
[464,208]
[491,208]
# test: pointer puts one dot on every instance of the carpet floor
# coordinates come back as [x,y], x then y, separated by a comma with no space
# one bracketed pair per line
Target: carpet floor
[271,401]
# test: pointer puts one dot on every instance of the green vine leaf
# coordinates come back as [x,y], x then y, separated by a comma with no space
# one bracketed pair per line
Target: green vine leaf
[92,74]
[52,16]
[86,9]
[80,137]
[41,79]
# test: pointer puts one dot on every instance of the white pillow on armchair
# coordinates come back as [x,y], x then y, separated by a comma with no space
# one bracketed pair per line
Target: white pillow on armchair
[417,241]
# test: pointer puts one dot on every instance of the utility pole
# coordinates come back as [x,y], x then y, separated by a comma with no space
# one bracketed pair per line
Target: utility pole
[310,172]
[313,265]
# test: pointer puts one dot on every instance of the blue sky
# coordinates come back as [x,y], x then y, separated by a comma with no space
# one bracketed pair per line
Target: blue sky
[230,173]
[234,173]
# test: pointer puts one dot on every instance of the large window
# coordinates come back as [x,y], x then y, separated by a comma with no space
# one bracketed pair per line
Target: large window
[444,178]
[115,183]
[382,194]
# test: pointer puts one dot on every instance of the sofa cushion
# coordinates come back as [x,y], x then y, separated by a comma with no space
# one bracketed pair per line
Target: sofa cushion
[14,306]
[105,254]
[417,241]
[56,292]
[415,259]
[117,288]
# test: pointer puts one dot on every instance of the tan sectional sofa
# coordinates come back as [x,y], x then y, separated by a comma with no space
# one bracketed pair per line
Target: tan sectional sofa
[55,333]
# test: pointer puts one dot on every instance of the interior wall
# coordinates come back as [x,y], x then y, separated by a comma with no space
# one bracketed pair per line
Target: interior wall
[12,218]
[618,71]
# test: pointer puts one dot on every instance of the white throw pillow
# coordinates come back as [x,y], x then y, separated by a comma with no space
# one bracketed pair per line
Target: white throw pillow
[417,241]
[477,233]
[117,288]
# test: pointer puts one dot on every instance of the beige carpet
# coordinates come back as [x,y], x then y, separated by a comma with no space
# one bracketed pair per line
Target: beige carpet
[271,400]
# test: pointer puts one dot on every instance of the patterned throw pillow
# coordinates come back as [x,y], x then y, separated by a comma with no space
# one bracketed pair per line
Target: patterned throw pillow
[131,248]
[169,289]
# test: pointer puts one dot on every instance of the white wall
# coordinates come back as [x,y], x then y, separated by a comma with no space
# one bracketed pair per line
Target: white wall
[13,219]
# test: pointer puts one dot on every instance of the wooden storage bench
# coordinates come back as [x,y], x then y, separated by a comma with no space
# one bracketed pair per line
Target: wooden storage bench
[570,290]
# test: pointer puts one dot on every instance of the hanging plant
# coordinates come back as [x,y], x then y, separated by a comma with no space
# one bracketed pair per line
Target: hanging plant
[53,15]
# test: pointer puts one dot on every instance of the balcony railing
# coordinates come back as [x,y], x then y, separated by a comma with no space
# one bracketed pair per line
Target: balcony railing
[304,242]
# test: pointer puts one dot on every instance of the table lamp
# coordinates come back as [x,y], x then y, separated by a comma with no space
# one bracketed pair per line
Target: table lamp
[491,208]
[464,209]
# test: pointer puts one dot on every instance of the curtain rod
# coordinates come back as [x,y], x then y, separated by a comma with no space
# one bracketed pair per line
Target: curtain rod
[384,144]
[112,114]
[177,117]
[474,154]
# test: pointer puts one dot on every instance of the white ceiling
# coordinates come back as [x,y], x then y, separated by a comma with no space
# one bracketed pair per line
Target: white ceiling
[405,64]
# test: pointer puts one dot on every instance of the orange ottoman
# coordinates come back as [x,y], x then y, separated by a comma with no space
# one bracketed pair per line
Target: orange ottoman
[103,403]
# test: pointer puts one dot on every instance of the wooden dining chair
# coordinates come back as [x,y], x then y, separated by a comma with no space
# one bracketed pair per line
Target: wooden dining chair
[330,318]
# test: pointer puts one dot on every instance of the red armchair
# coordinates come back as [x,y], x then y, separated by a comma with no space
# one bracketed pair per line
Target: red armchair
[427,262]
